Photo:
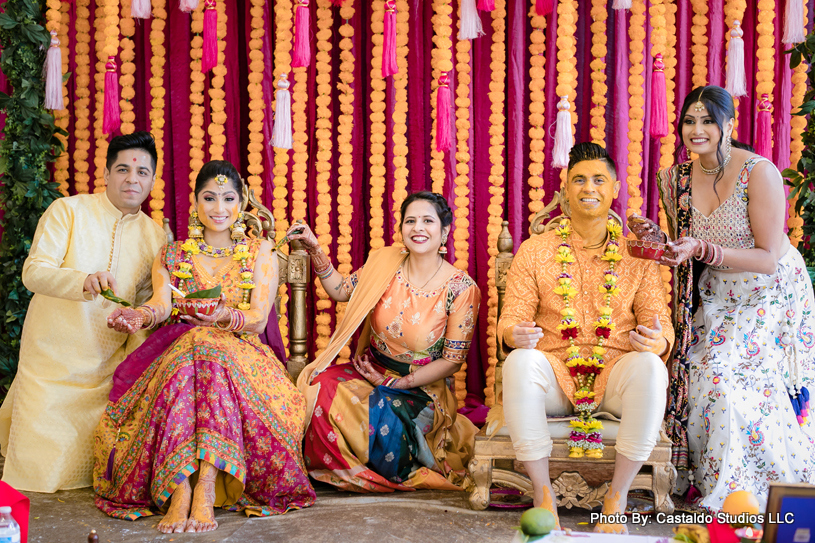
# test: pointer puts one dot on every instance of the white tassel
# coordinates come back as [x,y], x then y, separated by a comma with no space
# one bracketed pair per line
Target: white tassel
[470,21]
[53,75]
[621,4]
[736,83]
[563,134]
[794,23]
[281,133]
[188,6]
[140,9]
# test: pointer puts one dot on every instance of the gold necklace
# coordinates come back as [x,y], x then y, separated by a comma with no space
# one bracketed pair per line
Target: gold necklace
[407,273]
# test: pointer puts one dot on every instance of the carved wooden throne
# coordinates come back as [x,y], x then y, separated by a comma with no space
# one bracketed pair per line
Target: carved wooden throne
[578,482]
[294,270]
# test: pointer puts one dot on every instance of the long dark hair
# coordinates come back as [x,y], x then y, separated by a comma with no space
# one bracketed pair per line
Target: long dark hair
[218,167]
[439,203]
[719,104]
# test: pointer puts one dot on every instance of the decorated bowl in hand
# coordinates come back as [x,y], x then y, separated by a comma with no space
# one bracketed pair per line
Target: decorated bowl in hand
[191,306]
[651,250]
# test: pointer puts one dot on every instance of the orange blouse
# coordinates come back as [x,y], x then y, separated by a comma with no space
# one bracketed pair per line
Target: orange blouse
[529,297]
[418,326]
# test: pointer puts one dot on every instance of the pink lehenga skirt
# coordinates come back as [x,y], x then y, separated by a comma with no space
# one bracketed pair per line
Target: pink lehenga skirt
[196,393]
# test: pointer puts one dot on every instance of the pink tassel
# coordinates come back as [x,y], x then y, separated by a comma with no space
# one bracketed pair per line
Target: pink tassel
[659,100]
[209,54]
[736,80]
[794,23]
[301,56]
[444,118]
[764,131]
[111,113]
[621,4]
[53,75]
[486,5]
[389,66]
[544,7]
[563,134]
[140,9]
[188,6]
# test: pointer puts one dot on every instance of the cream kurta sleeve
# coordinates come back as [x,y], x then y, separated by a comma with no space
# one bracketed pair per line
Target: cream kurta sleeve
[67,352]
[42,271]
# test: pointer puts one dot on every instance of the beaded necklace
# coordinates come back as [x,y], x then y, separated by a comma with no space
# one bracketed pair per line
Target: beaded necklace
[585,435]
[239,252]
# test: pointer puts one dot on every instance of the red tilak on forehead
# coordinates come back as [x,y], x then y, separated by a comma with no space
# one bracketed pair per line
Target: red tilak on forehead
[134,160]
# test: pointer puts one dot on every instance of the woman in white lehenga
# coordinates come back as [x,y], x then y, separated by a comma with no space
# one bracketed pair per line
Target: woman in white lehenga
[743,367]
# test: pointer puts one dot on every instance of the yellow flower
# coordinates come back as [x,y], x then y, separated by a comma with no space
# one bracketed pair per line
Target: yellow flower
[191,247]
[574,362]
[246,275]
[247,286]
[567,312]
[612,256]
[565,281]
[594,424]
[599,351]
[564,254]
[244,306]
[578,424]
[605,311]
[583,393]
[565,290]
[610,279]
[565,325]
[564,228]
[612,291]
[572,350]
[614,229]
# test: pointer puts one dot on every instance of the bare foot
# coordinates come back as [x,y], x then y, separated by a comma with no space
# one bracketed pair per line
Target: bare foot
[549,502]
[613,506]
[202,514]
[175,521]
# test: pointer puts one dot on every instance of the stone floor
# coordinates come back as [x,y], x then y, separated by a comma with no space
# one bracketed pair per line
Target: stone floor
[337,517]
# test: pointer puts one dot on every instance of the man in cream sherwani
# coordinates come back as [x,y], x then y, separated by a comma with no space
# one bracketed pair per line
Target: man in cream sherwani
[83,245]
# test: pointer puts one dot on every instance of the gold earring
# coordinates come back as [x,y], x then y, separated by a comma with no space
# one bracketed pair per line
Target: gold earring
[238,228]
[443,247]
[195,230]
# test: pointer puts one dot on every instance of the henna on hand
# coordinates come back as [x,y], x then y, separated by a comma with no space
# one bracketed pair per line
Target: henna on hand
[646,229]
[126,320]
[404,383]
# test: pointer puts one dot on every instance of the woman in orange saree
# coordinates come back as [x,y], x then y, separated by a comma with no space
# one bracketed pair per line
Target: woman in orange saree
[203,403]
[387,421]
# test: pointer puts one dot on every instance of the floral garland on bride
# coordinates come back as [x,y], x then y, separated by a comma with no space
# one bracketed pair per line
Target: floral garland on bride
[585,435]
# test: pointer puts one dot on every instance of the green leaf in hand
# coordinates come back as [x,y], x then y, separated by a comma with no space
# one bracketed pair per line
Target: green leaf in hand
[208,293]
[108,295]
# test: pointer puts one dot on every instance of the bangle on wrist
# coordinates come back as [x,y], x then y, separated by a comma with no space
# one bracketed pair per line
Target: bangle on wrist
[325,274]
[150,317]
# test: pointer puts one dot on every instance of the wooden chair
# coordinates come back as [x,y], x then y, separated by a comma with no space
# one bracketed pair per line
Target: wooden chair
[294,270]
[578,482]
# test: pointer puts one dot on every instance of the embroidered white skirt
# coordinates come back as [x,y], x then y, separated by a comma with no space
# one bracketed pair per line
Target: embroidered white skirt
[753,339]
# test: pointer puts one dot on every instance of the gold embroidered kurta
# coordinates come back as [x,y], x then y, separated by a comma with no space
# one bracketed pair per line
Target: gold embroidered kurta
[530,296]
[67,353]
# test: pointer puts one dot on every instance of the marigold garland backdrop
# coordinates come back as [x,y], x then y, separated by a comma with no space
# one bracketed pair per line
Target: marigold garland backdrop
[362,136]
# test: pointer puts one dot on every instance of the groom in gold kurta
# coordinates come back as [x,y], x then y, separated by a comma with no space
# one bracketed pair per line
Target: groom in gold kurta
[82,245]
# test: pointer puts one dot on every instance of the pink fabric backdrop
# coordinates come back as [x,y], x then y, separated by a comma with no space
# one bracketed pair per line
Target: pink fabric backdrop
[177,115]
